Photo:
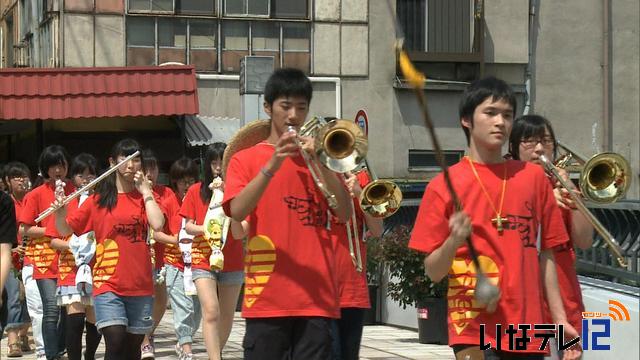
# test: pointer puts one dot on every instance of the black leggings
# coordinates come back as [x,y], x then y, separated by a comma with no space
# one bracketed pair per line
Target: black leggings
[121,345]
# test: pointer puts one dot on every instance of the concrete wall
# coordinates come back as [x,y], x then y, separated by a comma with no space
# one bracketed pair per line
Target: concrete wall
[506,31]
[568,77]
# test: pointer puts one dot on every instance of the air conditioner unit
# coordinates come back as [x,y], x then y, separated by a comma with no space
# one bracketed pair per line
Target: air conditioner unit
[254,73]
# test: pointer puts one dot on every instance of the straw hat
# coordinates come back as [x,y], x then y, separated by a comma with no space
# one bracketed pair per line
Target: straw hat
[249,135]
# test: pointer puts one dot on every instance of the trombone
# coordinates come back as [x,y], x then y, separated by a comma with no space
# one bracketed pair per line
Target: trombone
[604,178]
[379,198]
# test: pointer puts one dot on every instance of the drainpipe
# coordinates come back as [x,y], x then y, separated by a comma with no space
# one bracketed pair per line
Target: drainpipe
[61,33]
[528,86]
[607,119]
[336,80]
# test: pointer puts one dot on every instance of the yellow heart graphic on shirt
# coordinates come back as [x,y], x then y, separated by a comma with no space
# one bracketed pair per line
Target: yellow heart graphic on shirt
[462,281]
[107,255]
[66,263]
[43,254]
[259,263]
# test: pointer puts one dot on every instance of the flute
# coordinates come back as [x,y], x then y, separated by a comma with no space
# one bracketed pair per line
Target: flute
[87,187]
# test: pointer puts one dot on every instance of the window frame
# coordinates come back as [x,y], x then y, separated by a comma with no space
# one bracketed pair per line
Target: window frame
[431,153]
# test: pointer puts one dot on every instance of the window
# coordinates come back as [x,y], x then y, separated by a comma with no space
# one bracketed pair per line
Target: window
[296,46]
[292,9]
[246,7]
[425,160]
[151,5]
[195,6]
[235,44]
[172,40]
[440,26]
[203,36]
[155,40]
[265,40]
[141,41]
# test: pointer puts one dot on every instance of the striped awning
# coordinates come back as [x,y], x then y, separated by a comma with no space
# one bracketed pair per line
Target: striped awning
[205,130]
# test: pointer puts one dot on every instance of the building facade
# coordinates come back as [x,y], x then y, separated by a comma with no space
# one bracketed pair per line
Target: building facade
[575,62]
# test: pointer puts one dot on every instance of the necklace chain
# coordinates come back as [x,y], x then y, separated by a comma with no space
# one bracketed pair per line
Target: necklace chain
[498,221]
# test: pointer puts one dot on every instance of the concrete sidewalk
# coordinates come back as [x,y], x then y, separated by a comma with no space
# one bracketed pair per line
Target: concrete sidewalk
[379,342]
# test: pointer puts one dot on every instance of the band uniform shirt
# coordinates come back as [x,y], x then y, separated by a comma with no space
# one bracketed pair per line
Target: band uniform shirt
[45,258]
[353,290]
[8,223]
[122,261]
[166,198]
[194,208]
[15,257]
[565,256]
[509,260]
[290,260]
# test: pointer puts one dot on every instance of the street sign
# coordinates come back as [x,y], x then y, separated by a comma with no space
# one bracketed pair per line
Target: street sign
[363,121]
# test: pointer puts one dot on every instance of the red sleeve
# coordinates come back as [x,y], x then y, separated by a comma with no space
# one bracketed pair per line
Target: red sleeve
[554,232]
[79,219]
[30,209]
[188,208]
[363,178]
[236,179]
[431,228]
[71,208]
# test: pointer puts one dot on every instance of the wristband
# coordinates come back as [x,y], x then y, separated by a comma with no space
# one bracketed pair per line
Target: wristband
[148,198]
[266,172]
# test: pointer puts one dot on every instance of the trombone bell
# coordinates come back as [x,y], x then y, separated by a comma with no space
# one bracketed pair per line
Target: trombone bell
[605,178]
[341,145]
[380,198]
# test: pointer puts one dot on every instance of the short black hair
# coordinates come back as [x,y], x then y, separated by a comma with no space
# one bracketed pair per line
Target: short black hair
[528,126]
[287,82]
[83,162]
[478,91]
[183,167]
[51,156]
[149,159]
[14,169]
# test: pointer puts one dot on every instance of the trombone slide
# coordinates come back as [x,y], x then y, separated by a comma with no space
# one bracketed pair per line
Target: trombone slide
[614,247]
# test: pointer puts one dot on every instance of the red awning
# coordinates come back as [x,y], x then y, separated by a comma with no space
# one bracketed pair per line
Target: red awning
[71,93]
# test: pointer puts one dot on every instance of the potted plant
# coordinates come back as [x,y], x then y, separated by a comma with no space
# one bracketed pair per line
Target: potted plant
[374,271]
[409,285]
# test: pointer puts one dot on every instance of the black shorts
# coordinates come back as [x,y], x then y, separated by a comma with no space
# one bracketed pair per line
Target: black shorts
[284,338]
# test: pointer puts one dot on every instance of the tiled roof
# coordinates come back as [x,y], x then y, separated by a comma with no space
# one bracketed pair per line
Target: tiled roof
[72,93]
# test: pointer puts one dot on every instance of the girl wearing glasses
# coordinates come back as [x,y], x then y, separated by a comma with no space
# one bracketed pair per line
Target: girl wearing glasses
[531,137]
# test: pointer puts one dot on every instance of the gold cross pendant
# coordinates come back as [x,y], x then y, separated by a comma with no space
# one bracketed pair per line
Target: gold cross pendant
[498,221]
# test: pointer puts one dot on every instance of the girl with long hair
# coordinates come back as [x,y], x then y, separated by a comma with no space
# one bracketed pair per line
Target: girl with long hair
[218,291]
[120,213]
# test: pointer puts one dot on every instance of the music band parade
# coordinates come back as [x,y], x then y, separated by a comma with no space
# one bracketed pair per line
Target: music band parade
[283,212]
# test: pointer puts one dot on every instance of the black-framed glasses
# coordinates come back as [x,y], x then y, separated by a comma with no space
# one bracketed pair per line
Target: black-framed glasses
[546,141]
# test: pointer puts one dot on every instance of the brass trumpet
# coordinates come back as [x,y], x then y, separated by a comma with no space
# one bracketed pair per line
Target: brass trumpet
[603,179]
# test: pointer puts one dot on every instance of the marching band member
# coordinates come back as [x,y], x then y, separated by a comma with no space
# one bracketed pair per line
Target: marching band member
[290,282]
[168,202]
[78,304]
[353,290]
[532,136]
[182,174]
[53,165]
[504,202]
[120,213]
[217,290]
[20,312]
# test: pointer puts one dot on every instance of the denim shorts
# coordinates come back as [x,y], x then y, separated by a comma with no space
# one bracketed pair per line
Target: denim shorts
[223,278]
[133,312]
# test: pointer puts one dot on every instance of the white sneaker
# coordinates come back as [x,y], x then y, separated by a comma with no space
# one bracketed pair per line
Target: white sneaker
[186,356]
[41,356]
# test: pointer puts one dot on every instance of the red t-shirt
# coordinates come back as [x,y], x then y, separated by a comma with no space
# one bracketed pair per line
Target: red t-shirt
[166,198]
[15,257]
[172,253]
[122,261]
[510,259]
[195,209]
[290,264]
[67,268]
[353,290]
[570,291]
[45,259]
